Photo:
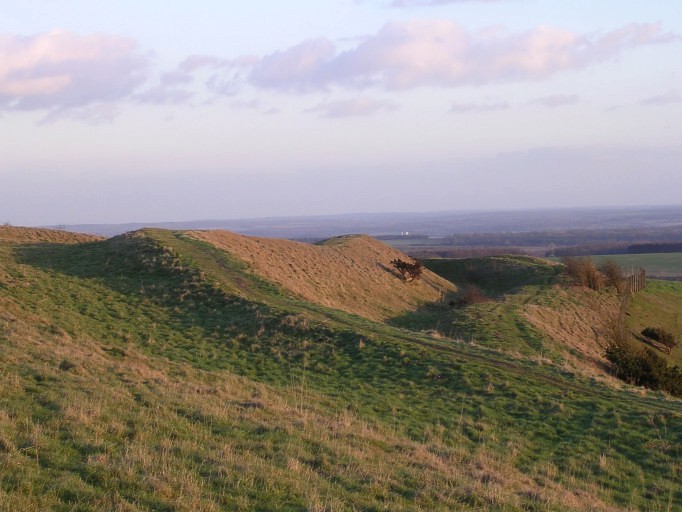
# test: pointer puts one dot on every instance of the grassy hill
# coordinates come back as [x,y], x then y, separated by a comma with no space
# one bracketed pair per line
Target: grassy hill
[158,371]
[659,305]
[350,273]
[524,306]
[36,235]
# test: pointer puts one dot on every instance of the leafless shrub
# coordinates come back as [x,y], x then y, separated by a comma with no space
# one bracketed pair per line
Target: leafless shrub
[470,295]
[583,272]
[613,275]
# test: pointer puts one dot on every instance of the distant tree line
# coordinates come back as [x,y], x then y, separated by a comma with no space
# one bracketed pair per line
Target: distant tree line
[655,248]
[588,250]
[616,248]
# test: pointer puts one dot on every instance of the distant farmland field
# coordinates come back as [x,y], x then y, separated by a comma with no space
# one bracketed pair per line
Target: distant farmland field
[661,265]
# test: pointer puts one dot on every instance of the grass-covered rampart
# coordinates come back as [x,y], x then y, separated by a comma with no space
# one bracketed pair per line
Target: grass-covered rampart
[155,372]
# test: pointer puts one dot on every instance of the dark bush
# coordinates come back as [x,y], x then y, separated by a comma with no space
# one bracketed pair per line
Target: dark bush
[643,368]
[408,271]
[666,338]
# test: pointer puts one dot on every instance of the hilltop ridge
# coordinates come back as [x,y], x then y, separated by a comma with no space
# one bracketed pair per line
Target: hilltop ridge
[42,235]
[350,273]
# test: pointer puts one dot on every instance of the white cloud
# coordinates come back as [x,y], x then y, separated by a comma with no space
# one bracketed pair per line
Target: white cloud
[299,68]
[222,77]
[62,70]
[444,54]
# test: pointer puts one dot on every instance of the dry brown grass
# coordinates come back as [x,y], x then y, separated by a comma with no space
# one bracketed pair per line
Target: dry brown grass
[351,273]
[578,321]
[16,234]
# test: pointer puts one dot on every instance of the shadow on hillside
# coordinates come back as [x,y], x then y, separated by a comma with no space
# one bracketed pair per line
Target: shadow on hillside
[105,291]
[648,341]
[496,276]
[432,316]
[390,270]
[493,322]
[479,310]
[173,298]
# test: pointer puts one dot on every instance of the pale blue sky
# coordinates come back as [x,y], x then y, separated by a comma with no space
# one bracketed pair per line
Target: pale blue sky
[159,111]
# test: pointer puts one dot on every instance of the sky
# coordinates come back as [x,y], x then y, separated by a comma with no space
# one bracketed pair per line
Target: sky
[154,111]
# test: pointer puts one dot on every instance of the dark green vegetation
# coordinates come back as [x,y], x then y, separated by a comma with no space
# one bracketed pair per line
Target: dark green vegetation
[155,372]
[644,367]
[660,335]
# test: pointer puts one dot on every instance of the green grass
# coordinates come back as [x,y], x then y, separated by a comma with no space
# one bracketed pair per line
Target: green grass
[510,283]
[659,305]
[153,372]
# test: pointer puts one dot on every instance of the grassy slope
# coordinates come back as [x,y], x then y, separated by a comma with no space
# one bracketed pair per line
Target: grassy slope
[350,273]
[659,305]
[496,275]
[153,372]
[514,285]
